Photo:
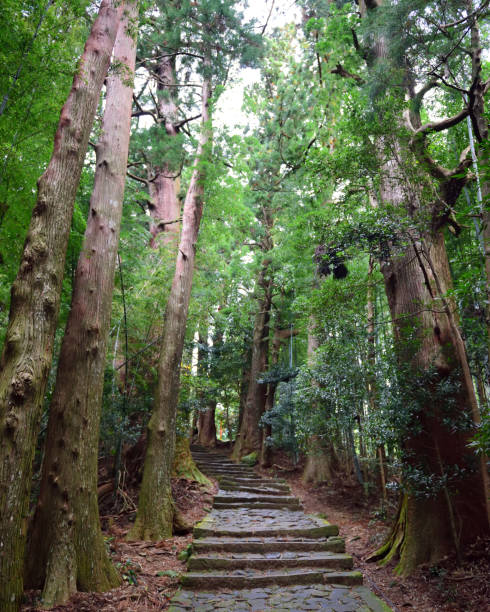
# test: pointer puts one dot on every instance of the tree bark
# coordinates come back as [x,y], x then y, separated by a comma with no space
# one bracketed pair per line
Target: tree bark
[414,303]
[206,421]
[249,437]
[165,206]
[155,510]
[66,546]
[35,301]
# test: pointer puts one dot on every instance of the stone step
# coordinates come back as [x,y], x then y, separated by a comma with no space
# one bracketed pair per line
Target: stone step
[265,545]
[249,497]
[258,489]
[320,531]
[255,505]
[238,480]
[249,579]
[274,560]
[231,471]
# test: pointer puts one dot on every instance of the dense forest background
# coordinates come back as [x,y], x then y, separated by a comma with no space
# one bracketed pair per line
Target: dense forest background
[307,277]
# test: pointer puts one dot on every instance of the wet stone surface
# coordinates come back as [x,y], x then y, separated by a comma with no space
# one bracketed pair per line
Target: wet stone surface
[308,597]
[251,559]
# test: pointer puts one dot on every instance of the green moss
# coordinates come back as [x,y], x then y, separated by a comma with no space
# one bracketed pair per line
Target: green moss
[250,459]
[184,466]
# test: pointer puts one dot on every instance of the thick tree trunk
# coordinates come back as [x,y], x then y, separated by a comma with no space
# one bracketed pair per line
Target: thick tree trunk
[35,301]
[249,437]
[155,510]
[66,547]
[207,426]
[437,439]
[165,205]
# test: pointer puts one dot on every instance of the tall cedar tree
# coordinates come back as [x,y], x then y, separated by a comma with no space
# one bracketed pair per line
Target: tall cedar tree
[155,508]
[66,547]
[427,527]
[35,301]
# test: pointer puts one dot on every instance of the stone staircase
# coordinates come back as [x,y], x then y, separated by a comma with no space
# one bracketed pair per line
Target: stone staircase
[258,550]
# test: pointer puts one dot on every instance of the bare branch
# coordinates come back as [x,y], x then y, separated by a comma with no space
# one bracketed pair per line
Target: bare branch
[341,71]
[177,126]
[137,178]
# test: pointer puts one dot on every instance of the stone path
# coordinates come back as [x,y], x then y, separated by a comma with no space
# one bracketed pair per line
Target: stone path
[258,551]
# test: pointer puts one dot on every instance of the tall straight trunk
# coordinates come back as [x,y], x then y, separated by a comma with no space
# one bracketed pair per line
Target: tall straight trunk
[266,449]
[244,384]
[249,437]
[206,425]
[35,301]
[155,509]
[66,546]
[165,205]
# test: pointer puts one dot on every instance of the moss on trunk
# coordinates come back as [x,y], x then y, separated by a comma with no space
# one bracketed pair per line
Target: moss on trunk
[184,465]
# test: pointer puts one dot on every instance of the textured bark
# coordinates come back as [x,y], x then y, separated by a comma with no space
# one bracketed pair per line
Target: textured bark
[155,510]
[415,304]
[35,301]
[66,546]
[249,437]
[207,426]
[165,206]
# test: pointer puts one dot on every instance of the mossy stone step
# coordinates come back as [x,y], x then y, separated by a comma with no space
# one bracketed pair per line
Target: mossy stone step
[249,579]
[321,531]
[265,545]
[267,561]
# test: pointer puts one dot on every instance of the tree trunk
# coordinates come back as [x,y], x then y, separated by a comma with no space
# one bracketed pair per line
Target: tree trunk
[66,546]
[425,529]
[249,437]
[207,425]
[35,301]
[371,378]
[428,342]
[165,206]
[266,447]
[155,510]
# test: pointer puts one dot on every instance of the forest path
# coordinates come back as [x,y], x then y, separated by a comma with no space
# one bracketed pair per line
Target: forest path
[257,550]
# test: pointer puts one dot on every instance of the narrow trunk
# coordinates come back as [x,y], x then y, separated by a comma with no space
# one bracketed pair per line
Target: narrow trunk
[35,301]
[155,510]
[66,546]
[266,447]
[206,421]
[371,378]
[249,437]
[165,206]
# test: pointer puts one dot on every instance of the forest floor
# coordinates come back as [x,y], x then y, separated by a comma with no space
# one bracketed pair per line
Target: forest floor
[150,571]
[440,588]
